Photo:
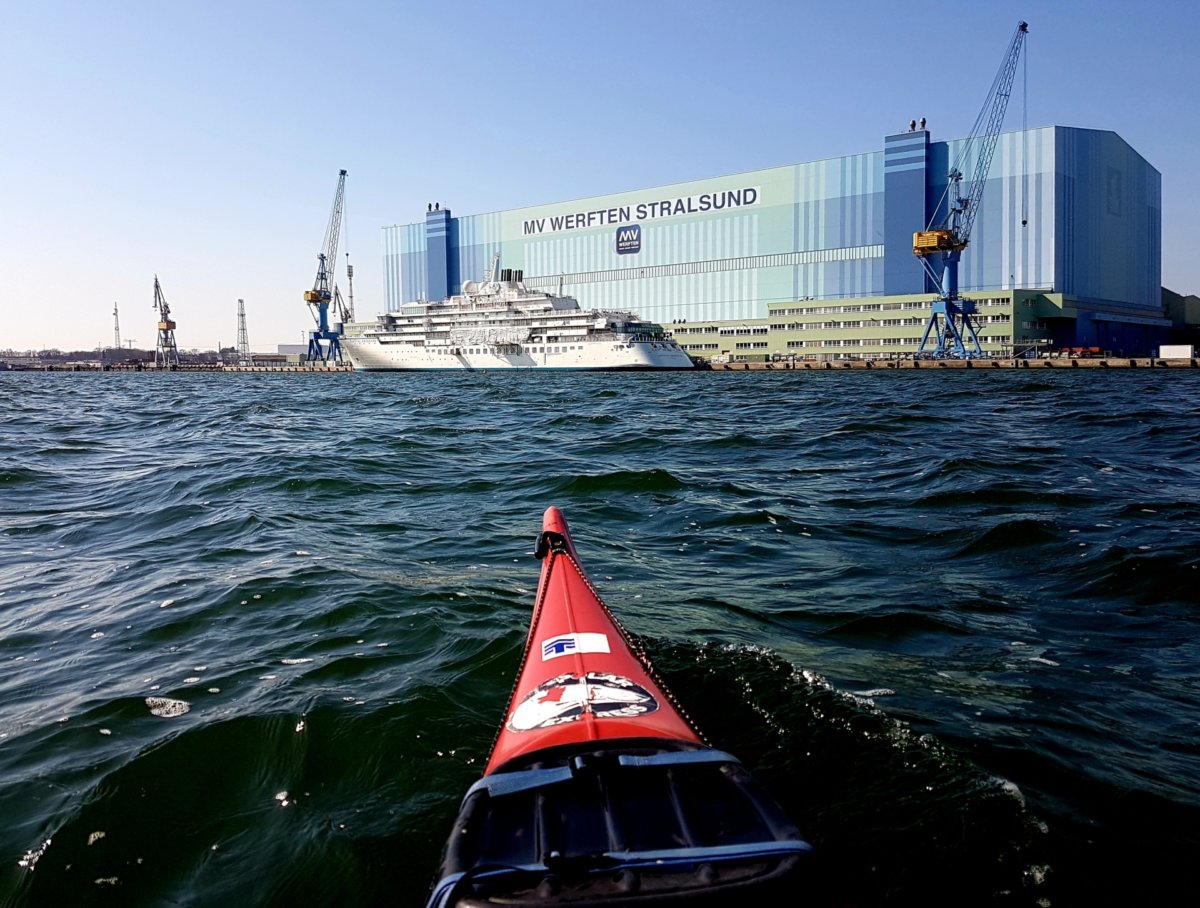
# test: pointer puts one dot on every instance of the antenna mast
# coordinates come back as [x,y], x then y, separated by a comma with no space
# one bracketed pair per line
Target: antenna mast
[244,357]
[116,329]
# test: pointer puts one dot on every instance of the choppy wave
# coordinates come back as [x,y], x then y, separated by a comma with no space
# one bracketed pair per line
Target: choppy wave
[949,618]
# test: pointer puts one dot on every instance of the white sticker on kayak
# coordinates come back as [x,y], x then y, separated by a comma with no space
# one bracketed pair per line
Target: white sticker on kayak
[570,697]
[574,643]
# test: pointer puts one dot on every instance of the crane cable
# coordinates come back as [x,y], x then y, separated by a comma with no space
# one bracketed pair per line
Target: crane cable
[346,234]
[1025,136]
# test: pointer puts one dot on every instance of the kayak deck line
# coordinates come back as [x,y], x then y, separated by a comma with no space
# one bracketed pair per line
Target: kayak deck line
[579,609]
[599,790]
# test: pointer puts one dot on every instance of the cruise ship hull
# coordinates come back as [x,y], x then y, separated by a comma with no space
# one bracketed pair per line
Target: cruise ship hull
[374,355]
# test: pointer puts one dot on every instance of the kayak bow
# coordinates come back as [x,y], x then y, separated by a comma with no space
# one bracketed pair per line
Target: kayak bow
[598,790]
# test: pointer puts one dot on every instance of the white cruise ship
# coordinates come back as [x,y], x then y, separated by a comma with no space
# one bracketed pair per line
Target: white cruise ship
[501,324]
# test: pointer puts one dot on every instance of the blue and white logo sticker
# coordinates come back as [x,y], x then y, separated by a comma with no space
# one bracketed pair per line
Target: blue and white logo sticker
[567,644]
[629,239]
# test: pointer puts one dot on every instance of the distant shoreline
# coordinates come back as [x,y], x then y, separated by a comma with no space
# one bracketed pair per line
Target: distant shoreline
[984,365]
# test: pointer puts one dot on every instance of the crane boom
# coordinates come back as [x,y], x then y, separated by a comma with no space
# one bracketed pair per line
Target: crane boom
[951,314]
[333,232]
[995,108]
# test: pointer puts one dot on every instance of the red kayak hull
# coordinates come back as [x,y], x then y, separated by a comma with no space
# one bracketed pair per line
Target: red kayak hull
[598,792]
[582,678]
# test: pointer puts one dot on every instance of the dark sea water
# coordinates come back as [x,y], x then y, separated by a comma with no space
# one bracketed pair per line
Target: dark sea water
[951,619]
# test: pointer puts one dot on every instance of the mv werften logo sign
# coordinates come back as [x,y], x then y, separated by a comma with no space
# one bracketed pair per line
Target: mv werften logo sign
[629,239]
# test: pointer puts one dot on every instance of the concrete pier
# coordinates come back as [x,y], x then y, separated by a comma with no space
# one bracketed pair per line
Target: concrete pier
[978,364]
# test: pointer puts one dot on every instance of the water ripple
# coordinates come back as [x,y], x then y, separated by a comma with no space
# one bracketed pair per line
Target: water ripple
[950,618]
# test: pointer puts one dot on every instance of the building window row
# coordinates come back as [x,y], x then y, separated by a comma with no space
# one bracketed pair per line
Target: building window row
[876,307]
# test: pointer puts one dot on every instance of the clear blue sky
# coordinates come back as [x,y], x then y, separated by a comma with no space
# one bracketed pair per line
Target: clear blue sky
[201,141]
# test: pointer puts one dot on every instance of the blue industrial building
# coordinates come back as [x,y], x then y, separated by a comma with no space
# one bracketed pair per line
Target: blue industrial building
[1066,249]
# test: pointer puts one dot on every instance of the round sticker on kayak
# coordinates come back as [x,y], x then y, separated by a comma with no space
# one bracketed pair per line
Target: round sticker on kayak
[569,697]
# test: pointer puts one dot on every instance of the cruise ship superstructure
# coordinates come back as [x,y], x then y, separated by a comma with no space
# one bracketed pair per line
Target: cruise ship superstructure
[499,323]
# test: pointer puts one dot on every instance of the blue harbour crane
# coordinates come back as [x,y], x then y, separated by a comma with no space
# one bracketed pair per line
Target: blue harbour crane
[952,321]
[324,344]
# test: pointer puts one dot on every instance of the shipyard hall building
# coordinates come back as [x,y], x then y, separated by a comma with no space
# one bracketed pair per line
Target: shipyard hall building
[815,261]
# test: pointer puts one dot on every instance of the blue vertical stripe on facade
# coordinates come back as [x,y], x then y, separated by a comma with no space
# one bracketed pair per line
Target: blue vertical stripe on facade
[905,178]
[438,253]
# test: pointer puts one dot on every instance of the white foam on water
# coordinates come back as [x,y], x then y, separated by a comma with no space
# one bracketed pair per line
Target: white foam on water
[167,602]
[1011,789]
[95,837]
[192,680]
[214,690]
[294,661]
[97,635]
[106,731]
[31,856]
[166,707]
